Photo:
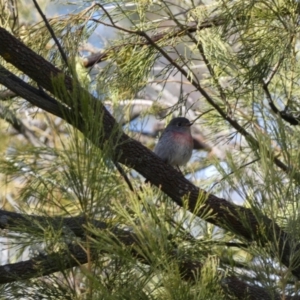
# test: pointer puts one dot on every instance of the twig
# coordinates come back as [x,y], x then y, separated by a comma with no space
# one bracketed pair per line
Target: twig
[284,113]
[124,175]
[232,172]
[62,53]
[201,115]
[265,83]
[272,74]
[98,57]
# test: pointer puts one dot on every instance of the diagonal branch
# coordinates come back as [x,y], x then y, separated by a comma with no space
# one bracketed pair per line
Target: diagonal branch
[60,49]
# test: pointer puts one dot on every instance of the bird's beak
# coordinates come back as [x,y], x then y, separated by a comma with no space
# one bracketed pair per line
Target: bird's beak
[190,124]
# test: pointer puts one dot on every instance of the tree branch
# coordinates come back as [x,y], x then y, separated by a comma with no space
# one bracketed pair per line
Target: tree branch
[43,265]
[60,49]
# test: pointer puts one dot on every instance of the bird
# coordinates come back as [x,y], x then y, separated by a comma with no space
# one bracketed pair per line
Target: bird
[175,146]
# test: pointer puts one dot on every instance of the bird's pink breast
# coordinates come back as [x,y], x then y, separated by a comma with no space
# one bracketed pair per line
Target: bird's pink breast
[182,137]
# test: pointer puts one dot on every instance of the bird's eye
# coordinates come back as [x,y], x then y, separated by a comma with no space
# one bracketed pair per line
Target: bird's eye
[179,124]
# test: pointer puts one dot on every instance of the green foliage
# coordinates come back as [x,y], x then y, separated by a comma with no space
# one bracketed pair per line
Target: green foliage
[230,61]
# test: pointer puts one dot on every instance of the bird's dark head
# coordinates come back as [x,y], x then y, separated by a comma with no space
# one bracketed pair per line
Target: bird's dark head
[180,122]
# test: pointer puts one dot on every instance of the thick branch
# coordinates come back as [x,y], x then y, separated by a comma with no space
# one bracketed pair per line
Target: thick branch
[43,265]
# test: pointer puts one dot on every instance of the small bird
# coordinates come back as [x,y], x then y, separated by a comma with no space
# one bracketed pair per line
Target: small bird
[175,145]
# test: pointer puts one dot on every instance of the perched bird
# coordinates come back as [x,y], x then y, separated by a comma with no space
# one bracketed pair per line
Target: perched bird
[176,144]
